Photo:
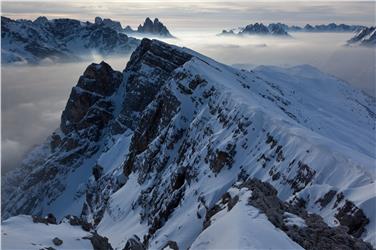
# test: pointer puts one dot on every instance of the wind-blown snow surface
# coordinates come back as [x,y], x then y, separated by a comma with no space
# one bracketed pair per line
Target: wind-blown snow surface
[20,232]
[243,227]
[182,129]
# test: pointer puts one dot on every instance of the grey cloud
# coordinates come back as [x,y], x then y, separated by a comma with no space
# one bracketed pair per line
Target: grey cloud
[189,14]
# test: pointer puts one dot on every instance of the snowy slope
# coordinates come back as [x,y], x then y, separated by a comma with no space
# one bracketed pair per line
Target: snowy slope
[21,233]
[243,227]
[151,151]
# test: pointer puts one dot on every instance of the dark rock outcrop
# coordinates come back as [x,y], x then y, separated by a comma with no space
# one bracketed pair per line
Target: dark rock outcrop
[222,159]
[327,198]
[99,242]
[316,235]
[171,245]
[227,32]
[49,219]
[87,105]
[352,217]
[76,221]
[57,241]
[153,28]
[143,83]
[88,111]
[277,29]
[107,22]
[255,29]
[134,243]
[303,177]
[365,37]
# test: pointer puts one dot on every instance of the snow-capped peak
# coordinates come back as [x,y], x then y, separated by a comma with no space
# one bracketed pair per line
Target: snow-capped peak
[148,156]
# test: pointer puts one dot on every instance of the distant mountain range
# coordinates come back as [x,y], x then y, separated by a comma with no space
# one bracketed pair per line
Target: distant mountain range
[26,41]
[281,29]
[258,29]
[331,27]
[364,37]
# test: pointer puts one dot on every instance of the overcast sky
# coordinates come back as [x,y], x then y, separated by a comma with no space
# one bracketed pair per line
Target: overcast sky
[194,15]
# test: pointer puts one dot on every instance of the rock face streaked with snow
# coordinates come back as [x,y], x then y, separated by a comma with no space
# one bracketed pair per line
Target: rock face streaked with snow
[178,148]
[365,37]
[25,41]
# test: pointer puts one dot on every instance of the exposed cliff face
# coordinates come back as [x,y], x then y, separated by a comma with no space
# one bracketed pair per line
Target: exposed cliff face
[88,103]
[147,156]
[150,28]
[25,41]
[153,28]
[46,171]
[147,71]
[364,37]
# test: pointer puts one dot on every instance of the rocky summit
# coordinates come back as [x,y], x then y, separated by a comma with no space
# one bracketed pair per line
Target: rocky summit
[364,37]
[179,151]
[151,28]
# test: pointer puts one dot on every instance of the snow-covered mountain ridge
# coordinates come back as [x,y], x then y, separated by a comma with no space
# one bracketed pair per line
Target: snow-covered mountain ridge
[162,150]
[25,41]
[282,29]
[63,39]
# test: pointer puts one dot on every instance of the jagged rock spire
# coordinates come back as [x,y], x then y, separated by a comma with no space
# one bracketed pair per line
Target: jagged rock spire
[153,28]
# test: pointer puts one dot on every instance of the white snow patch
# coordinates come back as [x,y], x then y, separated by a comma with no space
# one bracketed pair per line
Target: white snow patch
[294,220]
[21,232]
[243,227]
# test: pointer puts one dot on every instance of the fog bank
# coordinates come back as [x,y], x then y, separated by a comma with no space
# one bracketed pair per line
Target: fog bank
[33,98]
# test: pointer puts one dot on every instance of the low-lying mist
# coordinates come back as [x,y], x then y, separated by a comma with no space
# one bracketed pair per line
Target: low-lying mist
[33,97]
[326,51]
